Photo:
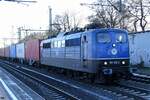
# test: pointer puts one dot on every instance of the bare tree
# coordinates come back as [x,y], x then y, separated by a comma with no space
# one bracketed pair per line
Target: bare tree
[110,14]
[139,9]
[57,23]
[65,22]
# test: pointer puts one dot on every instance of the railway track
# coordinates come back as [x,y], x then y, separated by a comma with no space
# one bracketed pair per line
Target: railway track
[78,90]
[139,89]
[141,78]
[47,90]
[124,90]
[136,88]
[129,90]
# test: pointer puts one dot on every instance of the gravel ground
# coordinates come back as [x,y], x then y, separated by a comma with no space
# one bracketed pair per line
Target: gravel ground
[144,70]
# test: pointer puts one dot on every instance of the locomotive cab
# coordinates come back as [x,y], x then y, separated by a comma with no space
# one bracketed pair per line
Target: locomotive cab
[111,51]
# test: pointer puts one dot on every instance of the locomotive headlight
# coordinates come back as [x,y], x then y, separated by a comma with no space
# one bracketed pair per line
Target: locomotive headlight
[105,63]
[114,45]
[123,62]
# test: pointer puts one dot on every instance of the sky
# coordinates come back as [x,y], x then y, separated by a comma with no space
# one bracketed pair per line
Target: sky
[36,15]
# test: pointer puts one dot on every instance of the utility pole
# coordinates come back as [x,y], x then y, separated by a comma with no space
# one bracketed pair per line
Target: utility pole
[50,19]
[120,4]
[26,33]
[19,33]
[121,14]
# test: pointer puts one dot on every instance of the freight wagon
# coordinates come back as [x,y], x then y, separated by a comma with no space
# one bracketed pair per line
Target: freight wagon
[20,52]
[12,52]
[6,52]
[32,51]
[2,53]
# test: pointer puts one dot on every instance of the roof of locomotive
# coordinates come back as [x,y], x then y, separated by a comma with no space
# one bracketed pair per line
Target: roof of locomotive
[72,34]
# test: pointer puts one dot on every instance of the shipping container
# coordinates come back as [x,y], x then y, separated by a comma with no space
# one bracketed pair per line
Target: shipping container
[32,50]
[7,52]
[2,52]
[20,51]
[12,51]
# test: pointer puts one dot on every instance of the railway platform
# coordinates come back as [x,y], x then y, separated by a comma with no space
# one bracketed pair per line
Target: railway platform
[13,89]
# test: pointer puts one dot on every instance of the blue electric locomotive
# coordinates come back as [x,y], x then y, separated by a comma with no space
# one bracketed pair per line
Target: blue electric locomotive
[96,51]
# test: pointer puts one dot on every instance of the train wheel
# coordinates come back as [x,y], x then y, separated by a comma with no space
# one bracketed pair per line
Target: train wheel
[69,73]
[128,75]
[76,75]
[91,77]
[100,78]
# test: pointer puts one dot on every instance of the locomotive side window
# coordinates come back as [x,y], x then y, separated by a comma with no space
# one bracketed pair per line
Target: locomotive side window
[73,42]
[47,45]
[103,38]
[59,44]
[52,44]
[84,38]
[63,43]
[55,44]
[120,38]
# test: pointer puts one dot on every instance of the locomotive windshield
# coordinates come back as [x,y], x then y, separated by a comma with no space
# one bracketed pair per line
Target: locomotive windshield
[103,38]
[120,37]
